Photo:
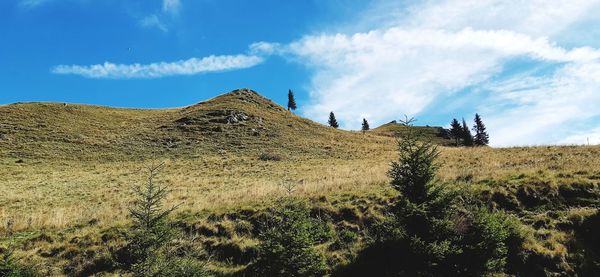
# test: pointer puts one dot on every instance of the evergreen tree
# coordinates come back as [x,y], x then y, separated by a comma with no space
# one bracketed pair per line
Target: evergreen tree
[414,172]
[291,101]
[481,136]
[365,125]
[332,121]
[289,236]
[421,226]
[456,131]
[466,134]
[150,246]
[151,230]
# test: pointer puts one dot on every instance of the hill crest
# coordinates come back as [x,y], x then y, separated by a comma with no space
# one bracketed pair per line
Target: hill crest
[241,122]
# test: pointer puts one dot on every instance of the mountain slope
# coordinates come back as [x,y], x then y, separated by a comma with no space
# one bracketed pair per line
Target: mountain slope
[437,135]
[241,121]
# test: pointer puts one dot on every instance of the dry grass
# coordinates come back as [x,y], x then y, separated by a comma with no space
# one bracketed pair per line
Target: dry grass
[47,194]
[75,166]
[59,195]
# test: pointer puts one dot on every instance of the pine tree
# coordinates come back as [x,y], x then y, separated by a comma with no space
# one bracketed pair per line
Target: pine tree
[481,136]
[291,101]
[365,125]
[152,233]
[289,236]
[466,134]
[151,230]
[332,121]
[414,172]
[456,131]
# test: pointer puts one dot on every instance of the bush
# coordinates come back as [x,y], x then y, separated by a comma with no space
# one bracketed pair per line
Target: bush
[163,264]
[11,267]
[429,231]
[587,233]
[486,241]
[288,238]
[269,157]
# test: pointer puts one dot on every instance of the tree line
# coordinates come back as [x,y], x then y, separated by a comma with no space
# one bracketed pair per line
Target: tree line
[462,134]
[459,132]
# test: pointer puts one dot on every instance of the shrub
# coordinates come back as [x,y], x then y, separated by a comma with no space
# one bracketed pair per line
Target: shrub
[587,234]
[269,157]
[288,238]
[429,231]
[12,267]
[486,240]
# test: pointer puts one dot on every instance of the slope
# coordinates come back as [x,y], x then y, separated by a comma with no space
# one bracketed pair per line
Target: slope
[240,122]
[436,135]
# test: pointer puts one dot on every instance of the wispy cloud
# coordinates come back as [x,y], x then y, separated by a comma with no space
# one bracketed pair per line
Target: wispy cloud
[191,66]
[434,50]
[161,19]
[171,6]
[558,108]
[152,21]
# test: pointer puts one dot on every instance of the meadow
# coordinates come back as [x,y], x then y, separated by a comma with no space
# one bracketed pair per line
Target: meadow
[68,173]
[58,194]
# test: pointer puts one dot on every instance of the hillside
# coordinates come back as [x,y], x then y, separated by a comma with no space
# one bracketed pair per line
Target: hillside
[240,122]
[437,135]
[67,173]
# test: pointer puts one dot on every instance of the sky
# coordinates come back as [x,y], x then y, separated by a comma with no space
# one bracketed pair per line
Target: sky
[530,68]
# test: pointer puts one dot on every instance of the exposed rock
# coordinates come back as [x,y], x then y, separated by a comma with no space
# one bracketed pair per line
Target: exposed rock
[170,142]
[236,116]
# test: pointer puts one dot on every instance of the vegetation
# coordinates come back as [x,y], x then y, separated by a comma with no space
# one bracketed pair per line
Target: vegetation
[430,229]
[435,135]
[291,101]
[150,250]
[365,125]
[462,134]
[481,136]
[467,137]
[288,238]
[12,267]
[529,211]
[456,131]
[332,121]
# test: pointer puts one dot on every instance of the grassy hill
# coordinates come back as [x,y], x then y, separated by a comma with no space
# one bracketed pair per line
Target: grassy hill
[436,135]
[67,174]
[240,122]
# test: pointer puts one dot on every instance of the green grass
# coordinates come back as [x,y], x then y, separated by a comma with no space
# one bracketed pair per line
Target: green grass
[67,172]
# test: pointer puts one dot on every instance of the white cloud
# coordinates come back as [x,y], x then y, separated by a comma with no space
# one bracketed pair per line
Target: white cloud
[591,137]
[156,70]
[160,20]
[532,17]
[542,110]
[152,21]
[171,6]
[435,50]
[394,71]
[265,48]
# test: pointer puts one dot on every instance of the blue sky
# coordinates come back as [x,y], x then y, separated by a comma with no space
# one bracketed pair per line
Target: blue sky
[531,68]
[38,35]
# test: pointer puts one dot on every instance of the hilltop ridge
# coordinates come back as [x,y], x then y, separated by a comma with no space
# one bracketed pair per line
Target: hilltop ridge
[241,121]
